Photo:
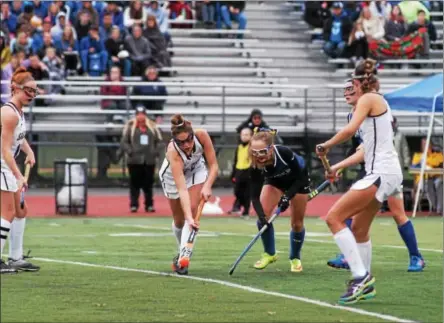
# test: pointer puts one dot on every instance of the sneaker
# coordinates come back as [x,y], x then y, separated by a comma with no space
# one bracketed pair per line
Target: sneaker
[265,261]
[339,262]
[417,264]
[245,216]
[296,265]
[150,209]
[6,269]
[22,264]
[355,289]
[134,209]
[369,293]
[176,268]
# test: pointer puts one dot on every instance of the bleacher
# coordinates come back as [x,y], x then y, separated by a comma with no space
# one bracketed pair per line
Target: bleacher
[216,80]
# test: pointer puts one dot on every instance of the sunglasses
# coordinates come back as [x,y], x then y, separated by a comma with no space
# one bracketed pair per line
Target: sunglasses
[187,140]
[260,152]
[29,90]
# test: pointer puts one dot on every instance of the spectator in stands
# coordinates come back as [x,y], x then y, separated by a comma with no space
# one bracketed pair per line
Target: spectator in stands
[381,9]
[88,8]
[135,14]
[141,143]
[83,25]
[179,11]
[46,26]
[21,43]
[232,10]
[6,72]
[410,10]
[56,69]
[107,25]
[116,14]
[316,13]
[160,55]
[63,6]
[139,50]
[40,8]
[161,17]
[373,25]
[117,54]
[24,20]
[357,43]
[433,184]
[160,90]
[8,18]
[114,75]
[47,43]
[93,54]
[401,145]
[353,9]
[336,32]
[208,13]
[395,27]
[422,22]
[57,30]
[53,11]
[5,51]
[69,47]
[17,7]
[39,72]
[254,120]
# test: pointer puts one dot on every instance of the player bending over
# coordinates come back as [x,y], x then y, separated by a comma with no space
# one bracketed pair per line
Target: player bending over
[185,178]
[286,184]
[383,179]
[396,205]
[13,131]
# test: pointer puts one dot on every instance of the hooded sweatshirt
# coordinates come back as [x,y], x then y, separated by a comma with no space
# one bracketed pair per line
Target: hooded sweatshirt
[57,30]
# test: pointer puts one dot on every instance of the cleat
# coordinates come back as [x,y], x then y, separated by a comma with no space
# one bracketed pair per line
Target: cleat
[417,264]
[339,262]
[265,261]
[177,268]
[134,209]
[150,209]
[22,265]
[296,265]
[369,293]
[355,289]
[6,269]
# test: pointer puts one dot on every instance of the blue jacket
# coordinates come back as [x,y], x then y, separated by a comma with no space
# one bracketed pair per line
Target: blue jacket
[62,45]
[11,22]
[86,43]
[117,19]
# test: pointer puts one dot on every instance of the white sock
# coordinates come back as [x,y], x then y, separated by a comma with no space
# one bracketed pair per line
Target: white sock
[349,248]
[185,235]
[177,233]
[365,250]
[5,226]
[16,238]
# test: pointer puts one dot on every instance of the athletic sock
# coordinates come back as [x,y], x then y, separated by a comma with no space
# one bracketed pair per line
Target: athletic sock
[407,232]
[16,238]
[186,231]
[5,227]
[296,242]
[348,223]
[268,238]
[177,233]
[349,248]
[365,250]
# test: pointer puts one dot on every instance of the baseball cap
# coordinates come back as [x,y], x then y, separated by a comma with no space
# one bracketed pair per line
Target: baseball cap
[337,5]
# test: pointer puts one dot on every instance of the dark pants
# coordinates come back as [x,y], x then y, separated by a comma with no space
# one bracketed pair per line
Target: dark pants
[141,177]
[242,189]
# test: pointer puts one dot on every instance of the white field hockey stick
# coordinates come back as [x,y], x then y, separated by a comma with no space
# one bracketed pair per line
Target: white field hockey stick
[187,250]
[25,184]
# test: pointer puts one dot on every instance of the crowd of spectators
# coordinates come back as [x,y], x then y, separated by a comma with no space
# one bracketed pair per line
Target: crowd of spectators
[57,38]
[381,29]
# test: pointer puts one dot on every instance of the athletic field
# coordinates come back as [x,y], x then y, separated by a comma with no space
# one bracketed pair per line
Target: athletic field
[118,270]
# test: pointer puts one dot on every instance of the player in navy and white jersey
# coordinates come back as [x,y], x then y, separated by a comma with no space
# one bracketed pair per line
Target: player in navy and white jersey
[396,205]
[383,179]
[278,178]
[13,131]
[186,179]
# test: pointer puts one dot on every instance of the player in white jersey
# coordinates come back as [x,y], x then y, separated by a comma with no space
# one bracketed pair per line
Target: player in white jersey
[383,179]
[396,206]
[13,130]
[185,178]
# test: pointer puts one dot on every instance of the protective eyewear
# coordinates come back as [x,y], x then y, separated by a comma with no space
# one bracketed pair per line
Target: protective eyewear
[260,152]
[29,90]
[187,140]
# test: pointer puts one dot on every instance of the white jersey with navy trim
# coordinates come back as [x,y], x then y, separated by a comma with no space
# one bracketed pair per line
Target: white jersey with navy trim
[380,153]
[18,135]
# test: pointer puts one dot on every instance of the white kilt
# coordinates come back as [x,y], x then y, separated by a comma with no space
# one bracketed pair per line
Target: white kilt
[388,185]
[8,182]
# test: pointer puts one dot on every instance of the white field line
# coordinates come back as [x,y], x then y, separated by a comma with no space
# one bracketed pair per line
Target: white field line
[141,226]
[237,286]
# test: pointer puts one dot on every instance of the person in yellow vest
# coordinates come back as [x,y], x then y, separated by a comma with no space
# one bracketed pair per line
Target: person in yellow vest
[240,175]
[433,184]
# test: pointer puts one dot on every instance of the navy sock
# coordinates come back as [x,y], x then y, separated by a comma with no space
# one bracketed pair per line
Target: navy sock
[268,239]
[296,242]
[348,222]
[407,233]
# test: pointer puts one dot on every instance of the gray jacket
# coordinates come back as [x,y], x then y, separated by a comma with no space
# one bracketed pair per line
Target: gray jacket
[141,148]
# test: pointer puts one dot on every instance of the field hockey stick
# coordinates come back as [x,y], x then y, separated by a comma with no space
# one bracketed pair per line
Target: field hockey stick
[187,250]
[22,193]
[311,196]
[327,167]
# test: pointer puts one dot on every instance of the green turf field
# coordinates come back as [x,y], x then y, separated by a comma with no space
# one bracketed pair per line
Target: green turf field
[126,285]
